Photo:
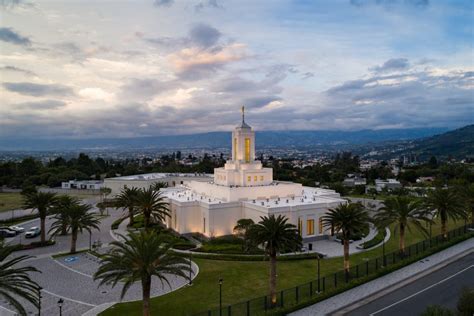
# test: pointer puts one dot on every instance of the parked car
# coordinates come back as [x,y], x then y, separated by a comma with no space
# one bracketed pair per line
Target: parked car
[7,233]
[33,232]
[18,229]
[9,229]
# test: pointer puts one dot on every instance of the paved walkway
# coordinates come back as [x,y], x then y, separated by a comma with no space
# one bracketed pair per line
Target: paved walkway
[374,287]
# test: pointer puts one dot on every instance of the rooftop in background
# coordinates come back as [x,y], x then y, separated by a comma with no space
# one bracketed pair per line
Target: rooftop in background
[157,176]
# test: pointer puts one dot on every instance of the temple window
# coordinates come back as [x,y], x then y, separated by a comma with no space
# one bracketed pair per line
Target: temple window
[247,150]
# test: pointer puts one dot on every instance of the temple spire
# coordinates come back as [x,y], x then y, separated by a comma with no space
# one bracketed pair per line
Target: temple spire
[243,115]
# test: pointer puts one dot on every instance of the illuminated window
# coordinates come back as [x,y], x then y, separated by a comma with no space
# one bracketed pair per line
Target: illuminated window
[255,178]
[300,226]
[204,225]
[249,178]
[310,227]
[247,150]
[261,178]
[320,225]
[235,148]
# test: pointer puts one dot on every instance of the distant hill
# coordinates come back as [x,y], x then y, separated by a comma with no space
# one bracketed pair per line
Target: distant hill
[284,139]
[458,143]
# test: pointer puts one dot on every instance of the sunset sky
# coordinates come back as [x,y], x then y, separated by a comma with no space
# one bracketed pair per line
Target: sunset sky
[87,69]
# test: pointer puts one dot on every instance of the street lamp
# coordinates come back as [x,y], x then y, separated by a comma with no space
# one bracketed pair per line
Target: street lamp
[190,269]
[39,301]
[60,305]
[220,296]
[319,274]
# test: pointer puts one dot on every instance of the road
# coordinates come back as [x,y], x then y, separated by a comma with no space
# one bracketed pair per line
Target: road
[442,287]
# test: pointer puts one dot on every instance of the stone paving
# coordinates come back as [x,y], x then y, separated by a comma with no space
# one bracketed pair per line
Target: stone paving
[72,280]
[356,294]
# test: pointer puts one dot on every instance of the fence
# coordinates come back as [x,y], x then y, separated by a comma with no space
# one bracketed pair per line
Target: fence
[332,282]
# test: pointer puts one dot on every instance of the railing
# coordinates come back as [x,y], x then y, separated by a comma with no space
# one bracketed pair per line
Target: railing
[333,282]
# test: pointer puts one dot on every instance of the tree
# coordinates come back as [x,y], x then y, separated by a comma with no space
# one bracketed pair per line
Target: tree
[61,209]
[468,196]
[349,219]
[138,258]
[152,205]
[276,235]
[15,282]
[405,213]
[78,219]
[242,230]
[157,186]
[127,199]
[445,204]
[42,201]
[465,306]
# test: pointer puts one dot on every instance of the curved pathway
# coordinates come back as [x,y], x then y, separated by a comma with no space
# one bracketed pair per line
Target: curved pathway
[70,277]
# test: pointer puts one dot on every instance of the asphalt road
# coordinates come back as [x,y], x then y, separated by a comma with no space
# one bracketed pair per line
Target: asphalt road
[442,287]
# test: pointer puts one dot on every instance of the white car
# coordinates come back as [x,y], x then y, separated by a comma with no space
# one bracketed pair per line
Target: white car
[33,232]
[18,229]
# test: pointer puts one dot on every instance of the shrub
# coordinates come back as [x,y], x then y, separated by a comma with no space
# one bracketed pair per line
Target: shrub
[436,310]
[376,240]
[465,305]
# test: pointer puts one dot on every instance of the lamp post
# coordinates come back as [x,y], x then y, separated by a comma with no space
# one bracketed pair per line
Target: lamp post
[220,296]
[383,252]
[60,305]
[190,269]
[39,301]
[319,274]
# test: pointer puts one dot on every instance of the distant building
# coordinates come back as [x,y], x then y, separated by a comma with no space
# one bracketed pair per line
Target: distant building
[425,179]
[82,185]
[388,184]
[354,181]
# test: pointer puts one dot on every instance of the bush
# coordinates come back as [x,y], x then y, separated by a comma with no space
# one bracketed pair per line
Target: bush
[465,305]
[436,310]
[376,240]
[35,244]
[116,223]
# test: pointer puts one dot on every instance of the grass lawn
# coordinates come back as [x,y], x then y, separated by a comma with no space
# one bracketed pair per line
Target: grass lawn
[245,280]
[10,201]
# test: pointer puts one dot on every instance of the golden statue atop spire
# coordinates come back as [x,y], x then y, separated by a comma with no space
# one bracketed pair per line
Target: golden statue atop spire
[243,114]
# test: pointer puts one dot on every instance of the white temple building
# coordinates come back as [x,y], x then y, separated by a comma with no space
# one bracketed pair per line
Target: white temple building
[243,188]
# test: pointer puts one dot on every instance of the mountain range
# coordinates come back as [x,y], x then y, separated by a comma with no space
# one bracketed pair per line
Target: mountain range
[275,139]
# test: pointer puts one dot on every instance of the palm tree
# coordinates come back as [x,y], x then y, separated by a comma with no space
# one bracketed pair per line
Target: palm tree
[152,205]
[42,201]
[405,212]
[276,235]
[16,282]
[127,199]
[157,186]
[445,204]
[349,219]
[78,219]
[61,209]
[138,258]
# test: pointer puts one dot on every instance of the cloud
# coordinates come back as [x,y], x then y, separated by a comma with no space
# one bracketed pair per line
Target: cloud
[207,4]
[307,75]
[37,90]
[163,3]
[18,70]
[40,105]
[204,35]
[145,89]
[194,63]
[390,3]
[394,64]
[10,36]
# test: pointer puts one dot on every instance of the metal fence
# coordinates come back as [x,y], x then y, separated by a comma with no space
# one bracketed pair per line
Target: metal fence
[332,282]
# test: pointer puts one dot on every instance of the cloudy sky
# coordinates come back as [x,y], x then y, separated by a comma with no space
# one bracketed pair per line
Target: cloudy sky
[88,69]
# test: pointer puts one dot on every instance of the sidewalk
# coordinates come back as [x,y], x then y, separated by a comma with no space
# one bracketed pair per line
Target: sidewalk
[373,287]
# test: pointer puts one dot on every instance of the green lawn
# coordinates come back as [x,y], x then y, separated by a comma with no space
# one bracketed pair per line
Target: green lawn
[10,201]
[247,280]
